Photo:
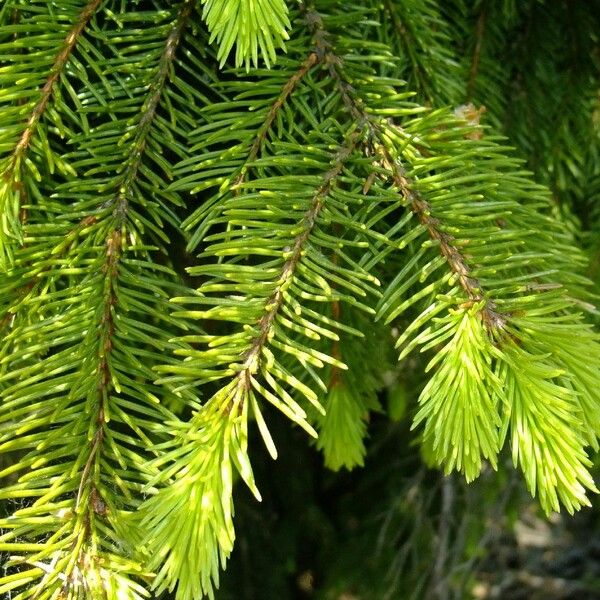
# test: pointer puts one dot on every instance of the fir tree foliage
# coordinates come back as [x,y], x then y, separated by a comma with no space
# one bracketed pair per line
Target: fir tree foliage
[329,210]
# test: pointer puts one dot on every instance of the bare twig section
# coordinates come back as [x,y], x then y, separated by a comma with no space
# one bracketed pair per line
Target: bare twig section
[275,301]
[479,31]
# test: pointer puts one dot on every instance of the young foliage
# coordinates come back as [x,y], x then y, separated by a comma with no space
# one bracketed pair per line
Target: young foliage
[255,27]
[352,394]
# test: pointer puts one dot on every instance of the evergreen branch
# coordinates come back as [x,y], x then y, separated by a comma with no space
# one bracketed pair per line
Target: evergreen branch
[311,184]
[555,464]
[13,187]
[244,153]
[561,88]
[86,362]
[352,394]
[251,363]
[266,319]
[476,414]
[376,131]
[311,60]
[103,359]
[499,319]
[89,503]
[190,554]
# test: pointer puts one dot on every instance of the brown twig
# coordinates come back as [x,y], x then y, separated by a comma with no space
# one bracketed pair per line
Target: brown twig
[275,301]
[479,31]
[292,83]
[456,261]
[57,68]
[120,202]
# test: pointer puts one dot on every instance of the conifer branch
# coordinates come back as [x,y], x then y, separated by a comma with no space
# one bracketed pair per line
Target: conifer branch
[89,503]
[250,26]
[311,60]
[46,91]
[257,371]
[105,346]
[109,329]
[114,240]
[479,411]
[12,189]
[251,361]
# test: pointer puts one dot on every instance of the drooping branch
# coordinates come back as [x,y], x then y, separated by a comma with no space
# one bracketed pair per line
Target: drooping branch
[105,345]
[114,240]
[88,490]
[457,262]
